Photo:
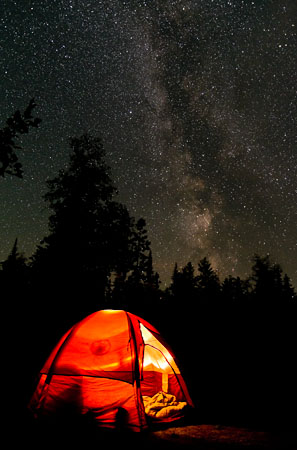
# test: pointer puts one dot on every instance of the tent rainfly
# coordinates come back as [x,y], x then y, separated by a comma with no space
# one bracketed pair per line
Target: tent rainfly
[116,369]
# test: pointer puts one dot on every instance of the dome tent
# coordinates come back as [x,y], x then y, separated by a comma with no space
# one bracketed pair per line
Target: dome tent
[115,368]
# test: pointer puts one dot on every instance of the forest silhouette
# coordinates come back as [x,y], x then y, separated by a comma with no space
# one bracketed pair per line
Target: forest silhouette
[235,338]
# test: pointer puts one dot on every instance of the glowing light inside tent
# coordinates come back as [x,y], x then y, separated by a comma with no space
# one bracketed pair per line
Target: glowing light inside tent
[118,364]
[156,356]
[110,366]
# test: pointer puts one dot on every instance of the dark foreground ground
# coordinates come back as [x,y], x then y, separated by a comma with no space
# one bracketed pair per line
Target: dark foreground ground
[201,436]
[206,436]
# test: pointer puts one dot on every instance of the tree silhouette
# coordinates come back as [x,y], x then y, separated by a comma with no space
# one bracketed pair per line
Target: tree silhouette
[15,261]
[16,125]
[140,248]
[235,290]
[89,230]
[208,282]
[176,287]
[14,273]
[267,280]
[151,278]
[289,293]
[138,285]
[183,286]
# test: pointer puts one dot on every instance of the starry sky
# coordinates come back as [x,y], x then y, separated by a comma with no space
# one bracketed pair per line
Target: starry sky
[195,102]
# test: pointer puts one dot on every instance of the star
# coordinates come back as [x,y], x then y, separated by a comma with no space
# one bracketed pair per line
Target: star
[196,106]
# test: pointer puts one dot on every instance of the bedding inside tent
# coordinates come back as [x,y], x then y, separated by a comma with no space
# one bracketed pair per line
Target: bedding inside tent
[162,395]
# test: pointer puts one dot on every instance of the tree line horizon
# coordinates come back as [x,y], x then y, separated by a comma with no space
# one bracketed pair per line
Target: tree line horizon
[96,249]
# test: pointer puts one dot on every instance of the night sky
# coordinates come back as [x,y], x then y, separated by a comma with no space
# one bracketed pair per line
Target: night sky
[195,101]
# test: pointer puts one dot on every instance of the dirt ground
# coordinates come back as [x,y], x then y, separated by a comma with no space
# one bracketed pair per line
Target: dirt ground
[225,437]
[200,437]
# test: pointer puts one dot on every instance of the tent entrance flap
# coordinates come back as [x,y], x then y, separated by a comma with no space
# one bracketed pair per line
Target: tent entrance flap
[163,396]
[156,356]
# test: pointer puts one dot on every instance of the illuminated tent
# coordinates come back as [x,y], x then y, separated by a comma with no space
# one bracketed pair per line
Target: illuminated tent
[114,368]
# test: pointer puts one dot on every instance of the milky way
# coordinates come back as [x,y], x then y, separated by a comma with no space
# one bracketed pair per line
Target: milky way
[196,105]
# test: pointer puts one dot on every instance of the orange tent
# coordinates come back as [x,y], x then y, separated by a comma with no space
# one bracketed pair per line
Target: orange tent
[115,368]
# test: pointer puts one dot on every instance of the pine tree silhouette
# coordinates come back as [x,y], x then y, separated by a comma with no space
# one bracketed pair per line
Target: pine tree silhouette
[208,282]
[89,230]
[16,125]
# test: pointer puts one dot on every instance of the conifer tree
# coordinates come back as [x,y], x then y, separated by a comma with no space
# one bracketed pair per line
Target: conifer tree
[89,230]
[234,289]
[208,283]
[183,286]
[136,285]
[16,125]
[14,274]
[267,280]
[289,293]
[176,288]
[141,253]
[15,262]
